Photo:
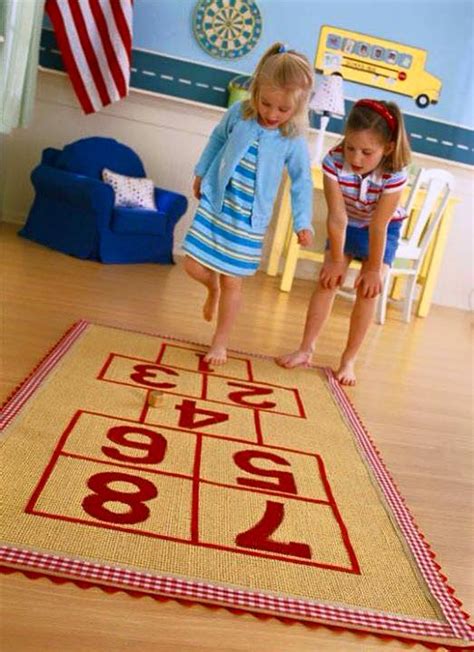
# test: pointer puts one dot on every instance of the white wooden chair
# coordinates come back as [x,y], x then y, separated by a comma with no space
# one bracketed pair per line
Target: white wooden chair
[425,206]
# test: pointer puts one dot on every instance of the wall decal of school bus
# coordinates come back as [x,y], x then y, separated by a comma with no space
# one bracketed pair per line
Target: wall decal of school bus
[377,62]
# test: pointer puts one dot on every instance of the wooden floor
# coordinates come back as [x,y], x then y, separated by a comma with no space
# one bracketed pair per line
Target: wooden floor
[414,395]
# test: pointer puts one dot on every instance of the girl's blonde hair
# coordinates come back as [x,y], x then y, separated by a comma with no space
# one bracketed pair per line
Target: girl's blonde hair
[390,128]
[286,70]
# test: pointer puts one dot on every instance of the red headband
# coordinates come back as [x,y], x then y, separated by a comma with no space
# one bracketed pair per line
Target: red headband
[382,110]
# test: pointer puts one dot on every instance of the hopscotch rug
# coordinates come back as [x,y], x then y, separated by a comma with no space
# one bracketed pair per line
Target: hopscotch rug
[246,486]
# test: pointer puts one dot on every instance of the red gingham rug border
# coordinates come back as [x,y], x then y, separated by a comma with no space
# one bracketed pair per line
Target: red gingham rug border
[175,588]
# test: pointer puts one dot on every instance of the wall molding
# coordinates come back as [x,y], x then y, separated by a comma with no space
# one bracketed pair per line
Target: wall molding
[163,74]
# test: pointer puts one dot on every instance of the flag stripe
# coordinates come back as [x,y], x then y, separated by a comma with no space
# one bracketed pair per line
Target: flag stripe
[122,45]
[62,38]
[109,51]
[122,52]
[89,52]
[95,39]
[84,74]
[122,11]
[98,50]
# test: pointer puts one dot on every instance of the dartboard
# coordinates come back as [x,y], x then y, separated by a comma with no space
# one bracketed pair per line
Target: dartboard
[227,29]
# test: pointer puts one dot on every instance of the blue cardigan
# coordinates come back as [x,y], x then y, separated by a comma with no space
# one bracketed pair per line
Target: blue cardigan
[228,143]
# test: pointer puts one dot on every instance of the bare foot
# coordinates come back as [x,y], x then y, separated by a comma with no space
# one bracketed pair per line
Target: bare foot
[211,302]
[295,359]
[346,373]
[216,355]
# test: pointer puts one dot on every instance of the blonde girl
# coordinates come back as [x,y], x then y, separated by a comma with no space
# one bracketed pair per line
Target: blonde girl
[363,181]
[237,178]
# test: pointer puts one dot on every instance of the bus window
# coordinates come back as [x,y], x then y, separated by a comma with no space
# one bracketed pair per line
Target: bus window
[332,60]
[348,45]
[334,42]
[391,56]
[378,53]
[362,49]
[404,60]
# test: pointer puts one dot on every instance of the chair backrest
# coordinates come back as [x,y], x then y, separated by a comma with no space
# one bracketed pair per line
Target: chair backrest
[89,156]
[435,187]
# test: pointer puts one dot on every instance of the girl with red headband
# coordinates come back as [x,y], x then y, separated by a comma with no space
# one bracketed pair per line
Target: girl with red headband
[363,181]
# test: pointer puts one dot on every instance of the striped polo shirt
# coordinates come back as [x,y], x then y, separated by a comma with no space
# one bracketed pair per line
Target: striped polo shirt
[361,194]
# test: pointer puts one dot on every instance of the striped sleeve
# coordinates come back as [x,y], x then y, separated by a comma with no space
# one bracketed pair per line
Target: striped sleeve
[395,181]
[329,166]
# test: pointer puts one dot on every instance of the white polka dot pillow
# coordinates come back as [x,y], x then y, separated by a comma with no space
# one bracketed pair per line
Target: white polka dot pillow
[136,192]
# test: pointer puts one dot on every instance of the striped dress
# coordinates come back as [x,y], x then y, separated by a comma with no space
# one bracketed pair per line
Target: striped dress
[226,242]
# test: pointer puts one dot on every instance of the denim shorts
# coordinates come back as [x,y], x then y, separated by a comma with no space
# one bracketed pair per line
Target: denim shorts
[357,242]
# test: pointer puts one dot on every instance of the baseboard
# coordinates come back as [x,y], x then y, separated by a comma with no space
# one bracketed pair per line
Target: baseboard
[13,218]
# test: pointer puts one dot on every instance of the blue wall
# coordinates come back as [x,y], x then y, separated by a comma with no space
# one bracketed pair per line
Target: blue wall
[167,58]
[445,28]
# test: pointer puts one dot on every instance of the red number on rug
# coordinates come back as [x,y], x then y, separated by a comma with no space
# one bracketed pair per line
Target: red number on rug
[258,537]
[144,371]
[189,411]
[155,448]
[284,480]
[203,364]
[94,503]
[250,390]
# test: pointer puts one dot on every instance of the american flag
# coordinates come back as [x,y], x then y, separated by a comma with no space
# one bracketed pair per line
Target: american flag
[95,39]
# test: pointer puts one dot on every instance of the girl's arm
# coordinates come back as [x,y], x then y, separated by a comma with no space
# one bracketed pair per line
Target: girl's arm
[299,171]
[331,274]
[217,139]
[370,279]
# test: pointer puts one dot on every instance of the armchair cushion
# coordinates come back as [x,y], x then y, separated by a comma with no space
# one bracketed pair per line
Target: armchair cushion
[131,191]
[138,220]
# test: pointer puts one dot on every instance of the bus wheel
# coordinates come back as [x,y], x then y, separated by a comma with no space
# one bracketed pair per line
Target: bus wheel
[422,101]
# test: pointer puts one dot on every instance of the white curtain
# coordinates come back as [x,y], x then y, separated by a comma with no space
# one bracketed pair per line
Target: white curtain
[20,31]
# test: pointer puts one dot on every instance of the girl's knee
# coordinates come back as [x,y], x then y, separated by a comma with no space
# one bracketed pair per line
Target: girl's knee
[230,282]
[320,288]
[362,299]
[190,265]
[198,271]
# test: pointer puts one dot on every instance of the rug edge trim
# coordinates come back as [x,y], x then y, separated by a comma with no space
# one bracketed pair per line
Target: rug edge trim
[20,394]
[433,642]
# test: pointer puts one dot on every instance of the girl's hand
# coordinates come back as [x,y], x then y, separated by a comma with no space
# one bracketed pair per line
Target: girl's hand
[305,237]
[332,274]
[197,187]
[370,283]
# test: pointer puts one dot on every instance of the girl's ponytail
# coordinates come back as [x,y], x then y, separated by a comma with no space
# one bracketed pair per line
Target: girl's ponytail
[401,155]
[276,48]
[290,71]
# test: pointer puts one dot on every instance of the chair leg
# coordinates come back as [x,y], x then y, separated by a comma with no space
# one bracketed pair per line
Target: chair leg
[290,265]
[409,297]
[383,298]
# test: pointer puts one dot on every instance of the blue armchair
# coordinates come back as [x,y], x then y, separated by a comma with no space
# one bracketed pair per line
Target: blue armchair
[73,210]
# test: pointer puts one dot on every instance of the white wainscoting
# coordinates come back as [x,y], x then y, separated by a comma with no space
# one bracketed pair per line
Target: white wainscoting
[169,135]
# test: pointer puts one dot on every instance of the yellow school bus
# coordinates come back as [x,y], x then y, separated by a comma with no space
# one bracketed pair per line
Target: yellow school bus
[377,62]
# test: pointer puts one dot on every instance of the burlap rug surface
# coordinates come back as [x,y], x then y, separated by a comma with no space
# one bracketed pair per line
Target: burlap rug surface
[247,486]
